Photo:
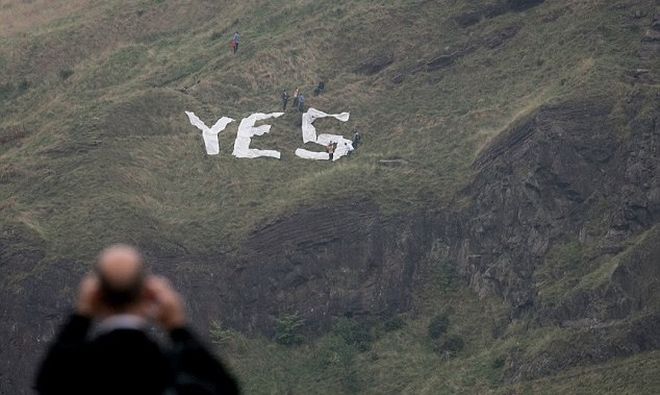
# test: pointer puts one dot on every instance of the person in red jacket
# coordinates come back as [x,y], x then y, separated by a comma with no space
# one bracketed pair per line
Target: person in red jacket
[235,40]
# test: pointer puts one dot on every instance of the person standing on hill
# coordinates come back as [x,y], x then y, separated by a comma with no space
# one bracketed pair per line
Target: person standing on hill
[285,100]
[330,149]
[357,139]
[320,88]
[295,97]
[105,346]
[235,41]
[301,103]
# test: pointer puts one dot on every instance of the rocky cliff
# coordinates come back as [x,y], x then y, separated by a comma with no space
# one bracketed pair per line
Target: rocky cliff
[536,186]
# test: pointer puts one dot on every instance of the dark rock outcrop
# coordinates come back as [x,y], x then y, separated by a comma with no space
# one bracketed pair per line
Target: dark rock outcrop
[501,36]
[329,261]
[522,5]
[375,65]
[537,185]
[440,62]
[489,11]
[447,59]
[587,345]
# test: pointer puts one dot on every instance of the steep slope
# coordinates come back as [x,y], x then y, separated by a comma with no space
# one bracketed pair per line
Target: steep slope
[523,204]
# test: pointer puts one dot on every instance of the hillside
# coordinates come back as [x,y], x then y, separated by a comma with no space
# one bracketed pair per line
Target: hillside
[507,183]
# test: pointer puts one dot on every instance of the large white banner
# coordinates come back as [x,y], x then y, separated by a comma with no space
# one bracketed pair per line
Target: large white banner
[246,131]
[244,136]
[210,135]
[344,146]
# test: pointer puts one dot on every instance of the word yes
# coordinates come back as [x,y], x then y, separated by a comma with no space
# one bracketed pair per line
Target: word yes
[247,130]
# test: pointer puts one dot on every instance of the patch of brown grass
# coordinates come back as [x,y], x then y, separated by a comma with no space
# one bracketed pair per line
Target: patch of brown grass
[18,16]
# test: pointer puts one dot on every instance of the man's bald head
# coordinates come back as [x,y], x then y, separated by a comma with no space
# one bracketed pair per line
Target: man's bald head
[121,272]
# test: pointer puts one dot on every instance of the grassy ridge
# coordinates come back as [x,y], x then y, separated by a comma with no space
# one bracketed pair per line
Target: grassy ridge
[116,126]
[95,148]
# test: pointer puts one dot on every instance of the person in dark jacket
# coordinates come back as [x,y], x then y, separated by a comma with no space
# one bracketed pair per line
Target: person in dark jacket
[296,92]
[105,347]
[320,88]
[357,139]
[301,103]
[285,99]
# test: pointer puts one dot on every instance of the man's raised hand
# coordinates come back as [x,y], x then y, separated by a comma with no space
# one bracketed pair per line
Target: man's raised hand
[89,299]
[169,311]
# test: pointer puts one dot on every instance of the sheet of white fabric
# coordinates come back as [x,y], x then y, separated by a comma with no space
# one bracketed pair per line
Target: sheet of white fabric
[305,154]
[312,114]
[246,130]
[210,135]
[344,146]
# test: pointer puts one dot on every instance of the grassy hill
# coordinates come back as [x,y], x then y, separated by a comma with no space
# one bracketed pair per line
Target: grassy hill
[95,148]
[113,133]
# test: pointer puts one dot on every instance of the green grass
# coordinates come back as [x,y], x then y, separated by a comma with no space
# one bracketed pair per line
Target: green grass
[570,268]
[404,361]
[633,375]
[109,156]
[437,130]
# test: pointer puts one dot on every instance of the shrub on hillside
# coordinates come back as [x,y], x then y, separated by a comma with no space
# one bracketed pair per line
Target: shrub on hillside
[498,362]
[453,344]
[394,324]
[438,326]
[65,74]
[334,357]
[23,86]
[229,340]
[354,333]
[288,328]
[449,346]
[219,334]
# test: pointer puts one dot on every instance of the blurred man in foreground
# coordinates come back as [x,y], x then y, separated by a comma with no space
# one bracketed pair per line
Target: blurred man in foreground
[104,348]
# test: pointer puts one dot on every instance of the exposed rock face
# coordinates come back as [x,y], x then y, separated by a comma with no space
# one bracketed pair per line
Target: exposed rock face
[320,262]
[494,10]
[501,36]
[546,182]
[447,59]
[440,62]
[546,169]
[592,344]
[522,5]
[537,186]
[375,64]
[328,261]
[24,332]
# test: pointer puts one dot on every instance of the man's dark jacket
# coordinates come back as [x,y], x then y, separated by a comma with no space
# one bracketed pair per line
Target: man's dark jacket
[127,361]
